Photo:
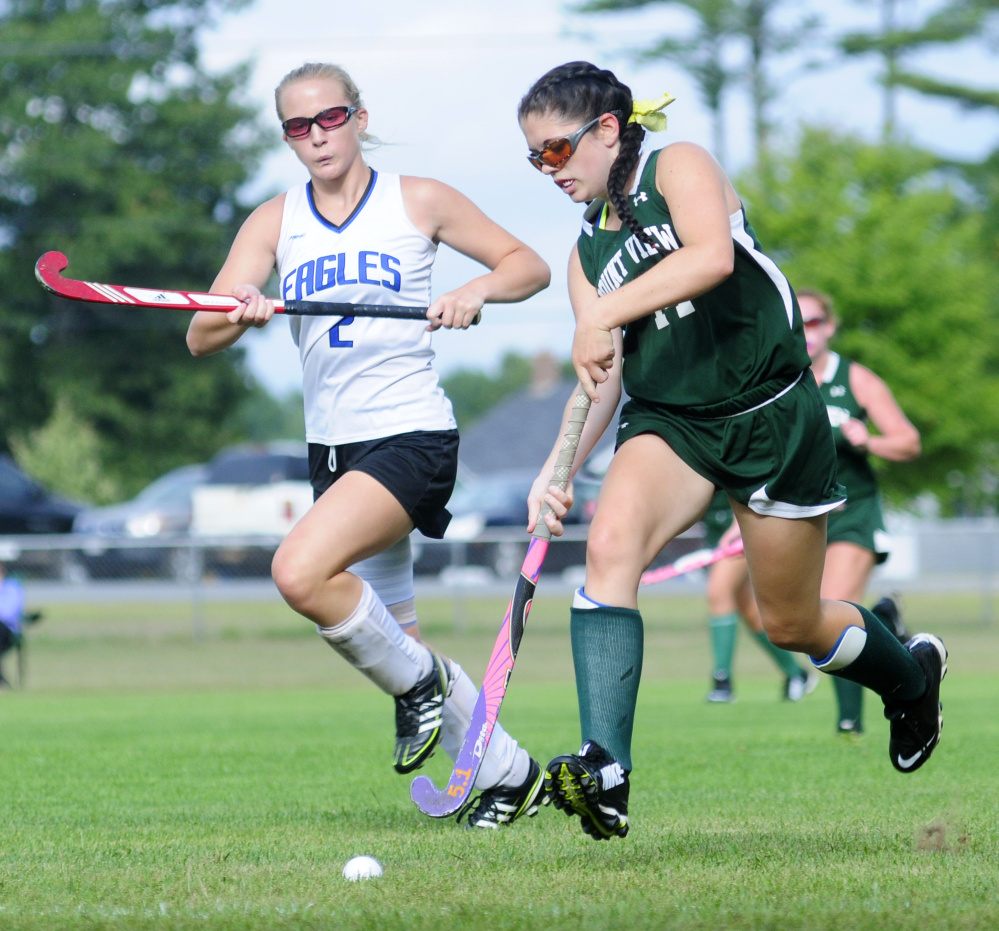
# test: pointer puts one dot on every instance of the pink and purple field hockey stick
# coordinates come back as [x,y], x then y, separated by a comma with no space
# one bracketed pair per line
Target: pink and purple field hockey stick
[442,803]
[699,559]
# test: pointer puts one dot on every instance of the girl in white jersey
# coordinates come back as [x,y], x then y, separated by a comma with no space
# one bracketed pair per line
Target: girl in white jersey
[382,437]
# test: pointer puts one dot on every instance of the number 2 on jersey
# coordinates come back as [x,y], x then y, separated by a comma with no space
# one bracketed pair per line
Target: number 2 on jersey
[335,341]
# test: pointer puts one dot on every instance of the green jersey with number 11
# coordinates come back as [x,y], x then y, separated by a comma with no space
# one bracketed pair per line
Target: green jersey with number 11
[728,350]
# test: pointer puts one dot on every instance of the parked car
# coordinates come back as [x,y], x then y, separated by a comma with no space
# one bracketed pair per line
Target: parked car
[27,508]
[260,464]
[496,502]
[162,510]
[253,491]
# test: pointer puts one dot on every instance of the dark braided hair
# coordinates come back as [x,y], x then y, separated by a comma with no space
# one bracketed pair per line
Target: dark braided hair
[581,91]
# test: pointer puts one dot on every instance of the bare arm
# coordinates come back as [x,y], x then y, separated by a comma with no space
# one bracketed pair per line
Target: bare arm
[608,394]
[246,270]
[445,215]
[700,200]
[897,440]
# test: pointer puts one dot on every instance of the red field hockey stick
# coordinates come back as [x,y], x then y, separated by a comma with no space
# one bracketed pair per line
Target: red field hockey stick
[49,267]
[441,803]
[699,559]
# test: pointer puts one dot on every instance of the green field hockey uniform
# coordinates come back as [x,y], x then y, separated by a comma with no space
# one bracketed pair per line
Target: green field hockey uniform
[719,378]
[724,379]
[859,519]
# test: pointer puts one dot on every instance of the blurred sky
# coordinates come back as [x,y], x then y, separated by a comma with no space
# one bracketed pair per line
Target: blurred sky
[442,79]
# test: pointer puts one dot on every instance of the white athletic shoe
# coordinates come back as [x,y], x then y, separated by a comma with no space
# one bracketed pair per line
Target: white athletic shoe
[798,686]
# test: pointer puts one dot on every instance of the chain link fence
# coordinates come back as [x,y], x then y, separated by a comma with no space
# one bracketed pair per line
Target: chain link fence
[955,555]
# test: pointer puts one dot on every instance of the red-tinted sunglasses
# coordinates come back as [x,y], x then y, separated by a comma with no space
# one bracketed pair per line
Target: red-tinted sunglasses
[556,152]
[814,322]
[331,118]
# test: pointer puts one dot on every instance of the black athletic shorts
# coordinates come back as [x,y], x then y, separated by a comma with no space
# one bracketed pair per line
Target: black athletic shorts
[418,468]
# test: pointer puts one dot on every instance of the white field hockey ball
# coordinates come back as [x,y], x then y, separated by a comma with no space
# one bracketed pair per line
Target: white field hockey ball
[362,868]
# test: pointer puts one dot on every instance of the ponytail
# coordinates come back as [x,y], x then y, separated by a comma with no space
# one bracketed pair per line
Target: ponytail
[629,154]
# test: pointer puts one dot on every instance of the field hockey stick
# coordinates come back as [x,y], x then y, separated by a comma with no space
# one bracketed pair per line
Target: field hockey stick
[440,803]
[49,267]
[699,559]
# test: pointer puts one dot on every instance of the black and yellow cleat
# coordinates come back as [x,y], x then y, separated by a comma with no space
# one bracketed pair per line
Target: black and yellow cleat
[593,786]
[505,804]
[419,717]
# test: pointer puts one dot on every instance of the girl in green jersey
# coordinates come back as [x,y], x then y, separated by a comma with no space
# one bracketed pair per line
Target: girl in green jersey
[674,298]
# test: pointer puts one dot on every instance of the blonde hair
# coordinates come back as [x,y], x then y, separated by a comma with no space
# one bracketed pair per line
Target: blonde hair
[323,71]
[823,300]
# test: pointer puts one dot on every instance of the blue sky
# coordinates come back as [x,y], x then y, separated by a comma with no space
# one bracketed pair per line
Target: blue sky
[442,79]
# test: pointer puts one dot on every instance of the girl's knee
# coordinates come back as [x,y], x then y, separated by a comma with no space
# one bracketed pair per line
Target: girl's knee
[785,636]
[720,599]
[790,629]
[297,585]
[606,549]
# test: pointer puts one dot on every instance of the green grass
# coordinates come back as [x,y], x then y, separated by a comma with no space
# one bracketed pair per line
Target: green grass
[153,780]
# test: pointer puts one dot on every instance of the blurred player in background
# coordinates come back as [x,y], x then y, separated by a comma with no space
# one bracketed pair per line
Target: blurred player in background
[730,597]
[13,620]
[856,537]
[383,442]
[11,617]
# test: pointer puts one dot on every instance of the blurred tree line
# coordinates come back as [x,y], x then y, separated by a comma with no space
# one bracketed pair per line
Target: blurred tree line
[118,148]
[904,240]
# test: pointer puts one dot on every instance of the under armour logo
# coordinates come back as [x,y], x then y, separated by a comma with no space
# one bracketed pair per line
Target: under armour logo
[640,198]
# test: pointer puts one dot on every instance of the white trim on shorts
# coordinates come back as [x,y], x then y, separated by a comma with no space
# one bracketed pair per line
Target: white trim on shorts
[882,543]
[761,503]
[750,410]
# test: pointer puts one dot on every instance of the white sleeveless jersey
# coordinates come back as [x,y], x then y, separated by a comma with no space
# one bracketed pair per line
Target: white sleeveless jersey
[362,378]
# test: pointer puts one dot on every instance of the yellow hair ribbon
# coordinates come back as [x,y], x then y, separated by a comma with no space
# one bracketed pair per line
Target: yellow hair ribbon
[647,112]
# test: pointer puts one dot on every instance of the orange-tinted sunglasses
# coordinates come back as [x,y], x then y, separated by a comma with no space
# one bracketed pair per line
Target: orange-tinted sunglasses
[556,152]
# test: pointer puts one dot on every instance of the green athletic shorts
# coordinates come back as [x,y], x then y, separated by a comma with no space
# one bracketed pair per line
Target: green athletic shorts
[778,459]
[859,521]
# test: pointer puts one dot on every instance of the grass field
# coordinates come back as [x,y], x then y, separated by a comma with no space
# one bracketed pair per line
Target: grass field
[156,781]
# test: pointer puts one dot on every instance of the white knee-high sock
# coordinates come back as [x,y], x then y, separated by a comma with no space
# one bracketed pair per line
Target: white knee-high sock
[505,762]
[373,643]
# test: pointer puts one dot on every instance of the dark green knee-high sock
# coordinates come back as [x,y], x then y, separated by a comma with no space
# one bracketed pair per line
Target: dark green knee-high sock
[849,701]
[784,659]
[883,664]
[724,628]
[850,695]
[607,648]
